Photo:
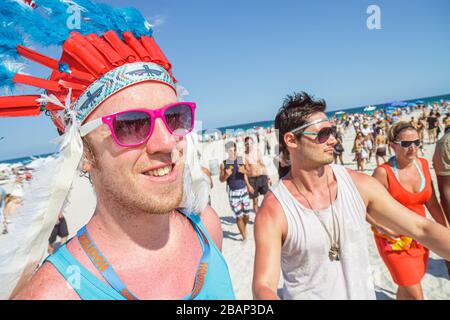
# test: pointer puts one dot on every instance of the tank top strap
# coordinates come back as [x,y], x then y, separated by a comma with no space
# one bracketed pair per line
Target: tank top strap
[347,188]
[425,169]
[426,173]
[217,282]
[85,284]
[391,179]
[199,228]
[289,204]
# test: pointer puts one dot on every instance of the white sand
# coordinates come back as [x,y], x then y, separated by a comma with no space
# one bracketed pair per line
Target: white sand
[240,255]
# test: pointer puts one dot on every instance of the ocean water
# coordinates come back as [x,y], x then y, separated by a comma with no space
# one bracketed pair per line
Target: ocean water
[26,160]
[264,124]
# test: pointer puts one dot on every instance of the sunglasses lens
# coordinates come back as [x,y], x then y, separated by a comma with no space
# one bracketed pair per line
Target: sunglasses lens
[132,127]
[179,119]
[324,134]
[407,144]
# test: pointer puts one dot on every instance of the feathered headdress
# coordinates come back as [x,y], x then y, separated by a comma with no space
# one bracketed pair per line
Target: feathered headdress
[106,39]
[110,50]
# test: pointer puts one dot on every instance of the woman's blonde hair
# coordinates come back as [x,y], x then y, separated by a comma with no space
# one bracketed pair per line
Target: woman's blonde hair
[397,128]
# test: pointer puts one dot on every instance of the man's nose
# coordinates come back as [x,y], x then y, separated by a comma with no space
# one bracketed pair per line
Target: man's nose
[161,140]
[332,139]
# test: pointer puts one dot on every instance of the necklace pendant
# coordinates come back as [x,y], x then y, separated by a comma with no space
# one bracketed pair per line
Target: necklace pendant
[333,254]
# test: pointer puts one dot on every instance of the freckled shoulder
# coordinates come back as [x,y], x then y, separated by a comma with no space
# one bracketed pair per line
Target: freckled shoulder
[211,221]
[47,284]
[271,215]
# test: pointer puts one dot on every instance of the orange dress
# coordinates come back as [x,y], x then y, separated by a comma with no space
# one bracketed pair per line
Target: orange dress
[407,265]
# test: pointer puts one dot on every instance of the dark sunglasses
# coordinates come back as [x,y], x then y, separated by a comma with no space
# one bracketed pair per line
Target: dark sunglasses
[323,135]
[407,144]
[132,128]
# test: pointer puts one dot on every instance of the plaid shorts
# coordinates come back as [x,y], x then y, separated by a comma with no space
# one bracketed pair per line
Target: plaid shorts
[240,202]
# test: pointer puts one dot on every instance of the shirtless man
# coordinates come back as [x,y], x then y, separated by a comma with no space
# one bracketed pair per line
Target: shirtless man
[256,171]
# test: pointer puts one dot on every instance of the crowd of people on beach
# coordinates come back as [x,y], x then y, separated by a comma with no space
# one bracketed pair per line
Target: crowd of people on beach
[371,131]
[11,202]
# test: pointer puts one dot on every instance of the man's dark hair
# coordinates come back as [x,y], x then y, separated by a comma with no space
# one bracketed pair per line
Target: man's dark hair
[229,145]
[296,110]
[248,138]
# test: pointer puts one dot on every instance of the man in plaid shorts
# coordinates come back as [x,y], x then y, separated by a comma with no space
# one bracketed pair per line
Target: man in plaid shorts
[232,171]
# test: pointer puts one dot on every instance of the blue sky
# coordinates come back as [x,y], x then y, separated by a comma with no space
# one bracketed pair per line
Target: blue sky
[239,58]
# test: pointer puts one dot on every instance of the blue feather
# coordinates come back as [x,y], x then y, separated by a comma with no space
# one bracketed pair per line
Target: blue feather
[47,25]
[100,18]
[91,18]
[6,77]
[135,22]
[9,39]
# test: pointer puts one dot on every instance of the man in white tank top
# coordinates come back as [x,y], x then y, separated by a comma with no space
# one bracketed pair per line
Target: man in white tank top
[312,224]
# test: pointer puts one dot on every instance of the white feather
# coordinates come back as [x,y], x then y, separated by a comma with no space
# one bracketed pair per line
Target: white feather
[24,227]
[50,99]
[181,92]
[196,182]
[22,251]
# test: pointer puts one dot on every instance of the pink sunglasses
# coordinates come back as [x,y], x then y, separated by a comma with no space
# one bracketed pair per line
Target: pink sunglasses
[132,128]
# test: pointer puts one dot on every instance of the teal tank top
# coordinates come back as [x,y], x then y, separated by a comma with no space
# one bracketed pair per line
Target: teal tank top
[217,282]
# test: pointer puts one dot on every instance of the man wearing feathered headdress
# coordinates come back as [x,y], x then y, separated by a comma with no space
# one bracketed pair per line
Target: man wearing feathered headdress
[113,97]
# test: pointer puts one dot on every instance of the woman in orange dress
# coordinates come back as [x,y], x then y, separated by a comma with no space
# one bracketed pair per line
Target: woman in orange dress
[407,178]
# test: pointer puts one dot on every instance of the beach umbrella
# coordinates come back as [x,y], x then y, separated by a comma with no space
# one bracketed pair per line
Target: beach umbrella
[412,104]
[340,114]
[398,104]
[390,110]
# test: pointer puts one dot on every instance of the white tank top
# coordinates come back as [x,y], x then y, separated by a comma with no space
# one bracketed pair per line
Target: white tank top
[307,270]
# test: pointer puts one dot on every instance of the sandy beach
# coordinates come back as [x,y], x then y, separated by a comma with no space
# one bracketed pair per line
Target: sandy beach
[240,255]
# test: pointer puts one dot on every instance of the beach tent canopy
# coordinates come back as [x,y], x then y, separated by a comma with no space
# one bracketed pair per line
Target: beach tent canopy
[398,104]
[390,110]
[369,108]
[420,102]
[340,115]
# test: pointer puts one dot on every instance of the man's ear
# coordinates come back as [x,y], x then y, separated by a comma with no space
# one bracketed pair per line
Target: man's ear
[88,160]
[87,164]
[290,140]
